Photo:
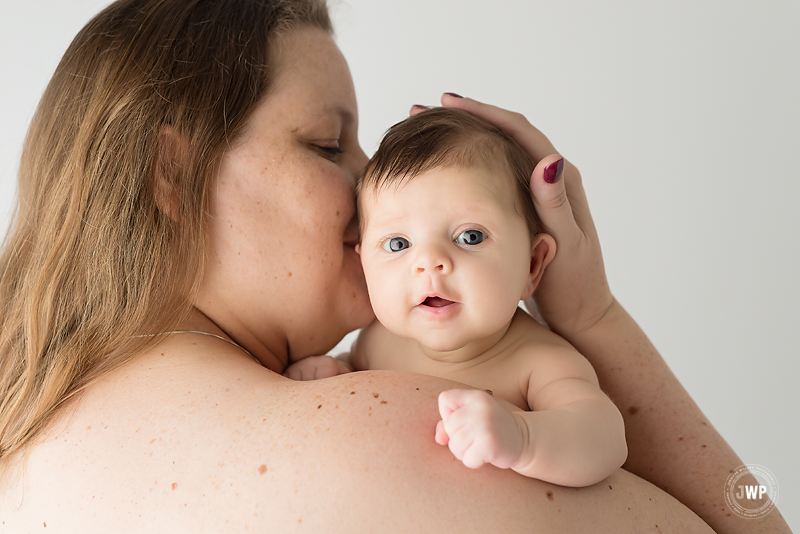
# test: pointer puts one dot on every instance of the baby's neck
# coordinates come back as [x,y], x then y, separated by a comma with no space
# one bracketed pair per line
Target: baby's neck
[475,351]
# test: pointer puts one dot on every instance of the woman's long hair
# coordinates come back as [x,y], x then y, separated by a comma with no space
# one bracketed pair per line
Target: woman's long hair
[107,240]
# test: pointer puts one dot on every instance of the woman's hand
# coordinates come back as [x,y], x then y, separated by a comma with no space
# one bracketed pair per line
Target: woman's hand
[573,294]
[316,368]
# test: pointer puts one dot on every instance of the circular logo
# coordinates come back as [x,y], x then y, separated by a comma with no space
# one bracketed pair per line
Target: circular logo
[751,491]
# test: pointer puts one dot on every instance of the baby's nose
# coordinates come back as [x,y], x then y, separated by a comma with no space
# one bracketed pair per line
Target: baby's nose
[433,260]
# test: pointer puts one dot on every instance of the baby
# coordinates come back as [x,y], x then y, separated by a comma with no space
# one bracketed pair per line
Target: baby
[450,243]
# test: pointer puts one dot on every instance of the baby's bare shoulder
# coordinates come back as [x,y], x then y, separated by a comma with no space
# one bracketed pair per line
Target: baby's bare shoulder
[378,348]
[526,337]
[535,350]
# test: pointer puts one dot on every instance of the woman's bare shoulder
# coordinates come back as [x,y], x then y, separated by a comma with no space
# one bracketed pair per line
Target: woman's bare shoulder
[219,443]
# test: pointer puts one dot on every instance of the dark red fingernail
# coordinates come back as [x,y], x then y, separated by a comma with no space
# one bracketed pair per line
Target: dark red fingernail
[554,171]
[455,95]
[420,106]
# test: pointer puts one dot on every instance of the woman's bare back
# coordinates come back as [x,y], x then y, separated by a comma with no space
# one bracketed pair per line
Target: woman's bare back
[194,437]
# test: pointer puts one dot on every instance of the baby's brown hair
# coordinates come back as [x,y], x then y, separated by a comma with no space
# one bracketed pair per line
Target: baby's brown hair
[447,137]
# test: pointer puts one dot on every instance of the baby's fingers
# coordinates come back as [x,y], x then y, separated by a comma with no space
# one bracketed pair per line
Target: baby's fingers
[441,436]
[459,444]
[474,456]
[326,367]
[293,373]
[453,399]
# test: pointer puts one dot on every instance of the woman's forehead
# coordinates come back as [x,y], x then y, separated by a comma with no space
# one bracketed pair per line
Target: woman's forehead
[309,65]
[313,89]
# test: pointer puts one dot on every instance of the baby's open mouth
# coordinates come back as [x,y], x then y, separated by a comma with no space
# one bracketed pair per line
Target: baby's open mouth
[437,302]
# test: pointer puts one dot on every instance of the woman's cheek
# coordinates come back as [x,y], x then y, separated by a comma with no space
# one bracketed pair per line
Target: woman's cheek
[341,192]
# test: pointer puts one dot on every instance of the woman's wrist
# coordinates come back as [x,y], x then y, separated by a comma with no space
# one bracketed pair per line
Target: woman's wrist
[607,319]
[579,325]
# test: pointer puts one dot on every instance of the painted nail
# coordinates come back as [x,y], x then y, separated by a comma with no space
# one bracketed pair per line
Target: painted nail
[420,106]
[455,95]
[554,171]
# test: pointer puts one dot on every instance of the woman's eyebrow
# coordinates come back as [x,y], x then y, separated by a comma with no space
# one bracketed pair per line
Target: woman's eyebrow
[346,115]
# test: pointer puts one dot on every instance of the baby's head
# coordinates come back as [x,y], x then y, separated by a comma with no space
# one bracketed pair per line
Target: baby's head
[450,240]
[441,138]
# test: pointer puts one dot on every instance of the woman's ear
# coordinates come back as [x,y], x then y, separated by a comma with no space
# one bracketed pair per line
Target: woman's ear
[543,250]
[170,161]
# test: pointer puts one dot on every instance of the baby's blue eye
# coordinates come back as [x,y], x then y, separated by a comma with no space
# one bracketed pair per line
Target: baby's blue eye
[470,237]
[396,244]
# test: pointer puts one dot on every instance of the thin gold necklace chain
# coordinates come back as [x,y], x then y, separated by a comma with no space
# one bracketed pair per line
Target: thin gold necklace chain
[200,332]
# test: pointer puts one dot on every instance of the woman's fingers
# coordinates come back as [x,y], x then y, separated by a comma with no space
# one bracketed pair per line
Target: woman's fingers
[550,198]
[539,147]
[573,293]
[417,108]
[516,125]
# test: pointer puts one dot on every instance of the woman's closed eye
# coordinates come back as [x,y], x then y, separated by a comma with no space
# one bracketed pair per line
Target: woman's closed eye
[396,244]
[470,237]
[330,152]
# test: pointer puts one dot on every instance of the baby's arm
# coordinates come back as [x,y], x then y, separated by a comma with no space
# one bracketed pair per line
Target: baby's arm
[319,367]
[573,437]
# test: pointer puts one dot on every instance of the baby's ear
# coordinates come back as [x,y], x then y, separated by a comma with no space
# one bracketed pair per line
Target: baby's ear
[543,250]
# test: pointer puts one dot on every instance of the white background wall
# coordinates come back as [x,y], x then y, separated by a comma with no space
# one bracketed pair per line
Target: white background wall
[683,118]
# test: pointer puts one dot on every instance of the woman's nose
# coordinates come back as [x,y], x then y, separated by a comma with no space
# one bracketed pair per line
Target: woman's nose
[361,159]
[358,161]
[432,260]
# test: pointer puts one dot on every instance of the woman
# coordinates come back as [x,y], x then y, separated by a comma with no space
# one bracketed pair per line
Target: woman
[186,230]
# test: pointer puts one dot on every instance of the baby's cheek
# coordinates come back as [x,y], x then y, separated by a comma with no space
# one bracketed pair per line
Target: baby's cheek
[500,296]
[383,295]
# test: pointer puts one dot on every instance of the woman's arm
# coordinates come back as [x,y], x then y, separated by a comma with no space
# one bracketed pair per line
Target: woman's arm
[670,442]
[676,448]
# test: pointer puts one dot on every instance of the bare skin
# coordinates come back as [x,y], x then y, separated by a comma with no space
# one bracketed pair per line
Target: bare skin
[195,437]
[556,420]
[670,441]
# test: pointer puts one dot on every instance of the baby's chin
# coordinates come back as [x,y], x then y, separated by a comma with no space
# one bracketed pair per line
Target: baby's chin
[442,342]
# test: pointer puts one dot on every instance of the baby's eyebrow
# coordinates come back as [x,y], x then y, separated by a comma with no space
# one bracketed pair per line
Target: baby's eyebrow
[375,222]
